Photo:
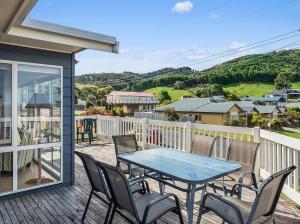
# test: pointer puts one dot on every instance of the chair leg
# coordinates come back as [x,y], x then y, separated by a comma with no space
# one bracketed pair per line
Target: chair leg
[87,206]
[180,216]
[108,212]
[82,137]
[77,138]
[113,212]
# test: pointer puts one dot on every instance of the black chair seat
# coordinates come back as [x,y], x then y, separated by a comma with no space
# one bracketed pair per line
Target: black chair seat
[157,210]
[224,210]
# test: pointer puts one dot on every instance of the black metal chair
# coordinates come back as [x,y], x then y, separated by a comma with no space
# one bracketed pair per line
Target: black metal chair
[125,144]
[203,145]
[234,210]
[98,183]
[145,209]
[245,154]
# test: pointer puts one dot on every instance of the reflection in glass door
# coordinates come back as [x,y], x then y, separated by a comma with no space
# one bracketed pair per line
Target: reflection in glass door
[30,126]
[6,154]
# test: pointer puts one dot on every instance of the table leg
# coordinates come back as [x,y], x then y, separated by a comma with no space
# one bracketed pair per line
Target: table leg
[202,196]
[191,202]
[161,186]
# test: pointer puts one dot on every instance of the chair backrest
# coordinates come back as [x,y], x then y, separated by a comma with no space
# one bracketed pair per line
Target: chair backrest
[268,194]
[119,188]
[95,175]
[244,153]
[88,124]
[202,145]
[125,143]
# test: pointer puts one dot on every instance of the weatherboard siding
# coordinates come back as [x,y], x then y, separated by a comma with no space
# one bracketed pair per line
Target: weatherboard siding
[29,55]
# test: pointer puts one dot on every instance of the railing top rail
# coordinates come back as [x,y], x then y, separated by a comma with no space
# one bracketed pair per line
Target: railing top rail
[290,142]
[84,117]
[221,128]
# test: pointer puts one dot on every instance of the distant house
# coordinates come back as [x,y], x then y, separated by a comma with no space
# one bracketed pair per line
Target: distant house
[205,111]
[132,101]
[285,93]
[274,100]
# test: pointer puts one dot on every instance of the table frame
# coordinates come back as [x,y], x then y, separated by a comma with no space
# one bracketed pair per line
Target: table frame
[191,185]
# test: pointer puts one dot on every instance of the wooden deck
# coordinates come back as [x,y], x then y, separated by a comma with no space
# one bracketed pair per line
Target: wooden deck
[66,205]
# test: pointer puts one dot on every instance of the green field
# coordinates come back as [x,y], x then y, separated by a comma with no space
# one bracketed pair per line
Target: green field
[253,89]
[240,89]
[290,134]
[175,94]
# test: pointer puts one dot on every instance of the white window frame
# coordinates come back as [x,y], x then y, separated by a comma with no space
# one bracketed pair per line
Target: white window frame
[14,148]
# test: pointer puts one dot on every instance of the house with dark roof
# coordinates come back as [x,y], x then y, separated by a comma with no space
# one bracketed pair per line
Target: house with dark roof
[266,100]
[205,111]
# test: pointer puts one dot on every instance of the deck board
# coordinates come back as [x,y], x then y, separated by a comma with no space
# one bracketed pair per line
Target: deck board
[66,205]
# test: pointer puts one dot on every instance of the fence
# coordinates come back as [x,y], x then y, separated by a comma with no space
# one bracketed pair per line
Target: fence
[277,151]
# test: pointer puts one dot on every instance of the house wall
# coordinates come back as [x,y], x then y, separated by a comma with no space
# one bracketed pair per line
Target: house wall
[210,118]
[22,54]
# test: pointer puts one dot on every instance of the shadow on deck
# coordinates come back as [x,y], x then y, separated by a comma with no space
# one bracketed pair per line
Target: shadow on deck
[66,205]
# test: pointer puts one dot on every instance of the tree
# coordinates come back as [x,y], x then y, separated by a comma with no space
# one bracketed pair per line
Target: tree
[91,100]
[231,96]
[77,94]
[179,85]
[171,114]
[259,120]
[208,90]
[163,96]
[282,81]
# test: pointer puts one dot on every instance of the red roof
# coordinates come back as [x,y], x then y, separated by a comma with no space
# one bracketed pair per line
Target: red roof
[124,93]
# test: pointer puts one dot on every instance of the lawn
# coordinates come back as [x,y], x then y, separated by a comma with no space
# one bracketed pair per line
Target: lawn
[290,134]
[240,89]
[253,89]
[175,94]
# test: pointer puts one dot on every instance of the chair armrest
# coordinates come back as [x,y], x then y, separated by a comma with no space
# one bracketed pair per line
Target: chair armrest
[239,186]
[157,200]
[229,203]
[141,181]
[253,178]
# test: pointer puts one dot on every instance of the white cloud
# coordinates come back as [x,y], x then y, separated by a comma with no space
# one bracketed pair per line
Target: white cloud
[236,45]
[214,15]
[145,61]
[182,7]
[124,51]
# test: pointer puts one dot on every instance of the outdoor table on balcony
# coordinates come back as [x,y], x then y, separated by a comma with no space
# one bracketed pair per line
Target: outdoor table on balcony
[194,170]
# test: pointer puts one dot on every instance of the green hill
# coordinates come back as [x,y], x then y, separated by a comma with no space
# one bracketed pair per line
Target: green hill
[252,68]
[125,79]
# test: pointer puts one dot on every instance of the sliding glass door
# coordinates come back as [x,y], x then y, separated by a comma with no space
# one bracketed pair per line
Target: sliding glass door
[31,112]
[6,178]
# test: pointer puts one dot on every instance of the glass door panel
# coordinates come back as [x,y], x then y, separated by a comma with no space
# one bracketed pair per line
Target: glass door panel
[5,104]
[36,167]
[6,158]
[39,104]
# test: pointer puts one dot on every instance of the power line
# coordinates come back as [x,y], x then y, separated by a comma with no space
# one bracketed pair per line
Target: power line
[228,51]
[263,54]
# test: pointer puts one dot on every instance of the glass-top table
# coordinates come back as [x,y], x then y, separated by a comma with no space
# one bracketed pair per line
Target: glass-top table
[181,166]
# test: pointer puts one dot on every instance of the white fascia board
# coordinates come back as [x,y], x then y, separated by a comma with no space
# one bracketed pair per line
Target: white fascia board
[63,39]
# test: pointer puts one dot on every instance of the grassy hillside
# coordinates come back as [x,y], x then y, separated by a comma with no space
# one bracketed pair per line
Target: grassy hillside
[240,89]
[175,94]
[253,89]
[251,68]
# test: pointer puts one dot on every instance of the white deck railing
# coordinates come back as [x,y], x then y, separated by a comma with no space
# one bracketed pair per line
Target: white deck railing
[276,152]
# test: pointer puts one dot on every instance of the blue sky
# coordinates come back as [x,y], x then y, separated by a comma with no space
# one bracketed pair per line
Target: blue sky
[161,33]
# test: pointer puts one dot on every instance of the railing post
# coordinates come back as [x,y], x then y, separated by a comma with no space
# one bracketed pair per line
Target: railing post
[256,138]
[144,133]
[98,123]
[188,136]
[256,134]
[117,125]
